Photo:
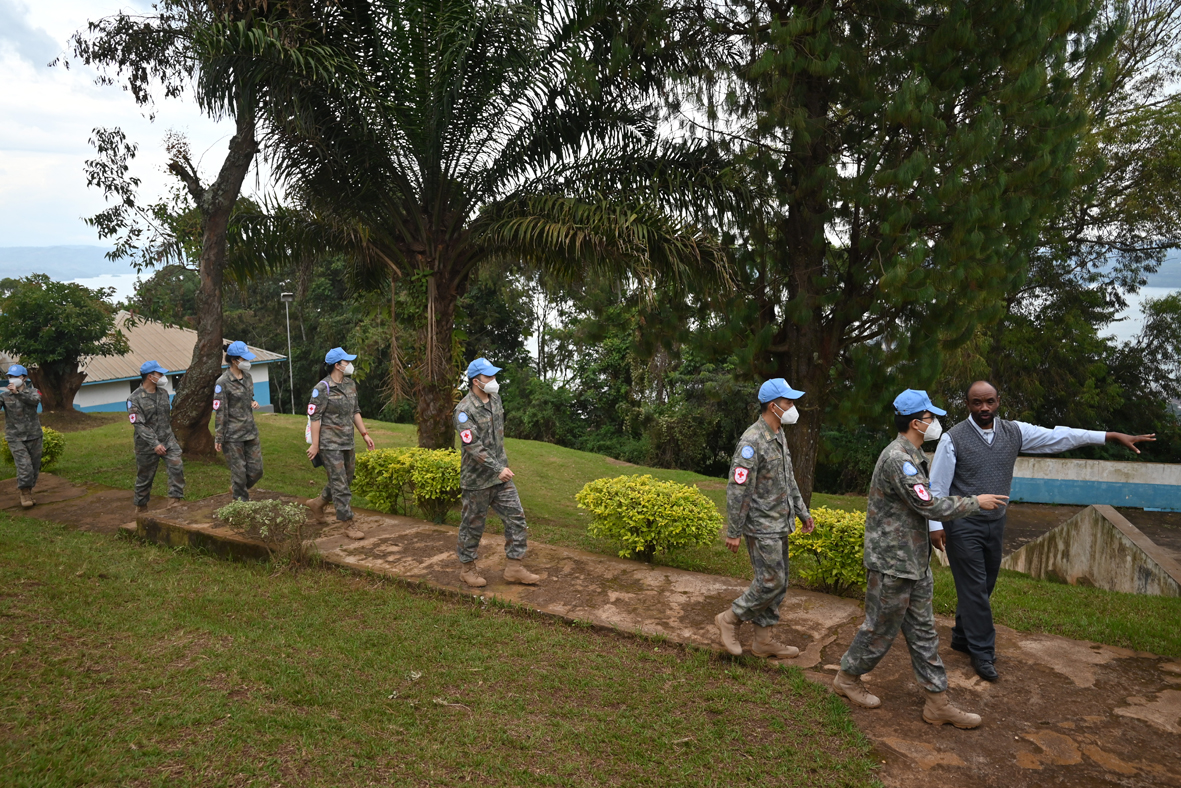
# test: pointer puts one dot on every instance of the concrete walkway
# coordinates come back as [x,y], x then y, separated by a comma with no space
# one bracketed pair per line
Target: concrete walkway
[1065,713]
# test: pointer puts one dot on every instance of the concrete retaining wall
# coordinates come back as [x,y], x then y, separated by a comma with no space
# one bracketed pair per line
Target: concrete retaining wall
[1143,485]
[1098,547]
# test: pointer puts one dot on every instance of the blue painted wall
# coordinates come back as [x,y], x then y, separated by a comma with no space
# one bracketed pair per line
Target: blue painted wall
[1086,493]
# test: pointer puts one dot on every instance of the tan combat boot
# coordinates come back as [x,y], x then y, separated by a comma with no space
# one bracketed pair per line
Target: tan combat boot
[141,509]
[353,532]
[939,710]
[515,572]
[317,505]
[27,497]
[728,625]
[174,502]
[471,576]
[765,646]
[850,686]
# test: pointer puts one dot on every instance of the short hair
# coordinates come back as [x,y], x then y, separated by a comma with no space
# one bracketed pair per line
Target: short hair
[988,383]
[902,421]
[764,405]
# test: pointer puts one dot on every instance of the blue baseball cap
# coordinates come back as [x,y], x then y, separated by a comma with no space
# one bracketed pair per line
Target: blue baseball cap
[337,354]
[17,369]
[481,366]
[776,388]
[239,349]
[915,401]
[152,366]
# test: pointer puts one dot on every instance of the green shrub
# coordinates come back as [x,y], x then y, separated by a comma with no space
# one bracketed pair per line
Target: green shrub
[830,558]
[649,516]
[53,447]
[277,524]
[393,479]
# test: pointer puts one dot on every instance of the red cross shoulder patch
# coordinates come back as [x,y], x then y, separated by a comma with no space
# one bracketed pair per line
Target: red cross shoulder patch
[311,409]
[131,416]
[922,493]
[216,404]
[466,436]
[740,475]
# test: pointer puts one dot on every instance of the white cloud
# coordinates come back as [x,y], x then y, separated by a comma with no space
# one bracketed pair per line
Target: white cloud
[47,115]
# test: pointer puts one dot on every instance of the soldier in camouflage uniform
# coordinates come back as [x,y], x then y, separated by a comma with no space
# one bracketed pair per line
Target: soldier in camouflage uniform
[899,585]
[334,412]
[485,478]
[149,411]
[22,428]
[233,411]
[762,504]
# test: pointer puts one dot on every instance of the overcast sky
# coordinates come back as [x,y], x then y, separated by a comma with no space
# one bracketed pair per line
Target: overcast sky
[46,118]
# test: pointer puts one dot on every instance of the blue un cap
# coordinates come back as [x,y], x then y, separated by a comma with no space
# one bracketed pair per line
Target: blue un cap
[776,388]
[152,366]
[481,366]
[337,354]
[915,401]
[239,349]
[17,369]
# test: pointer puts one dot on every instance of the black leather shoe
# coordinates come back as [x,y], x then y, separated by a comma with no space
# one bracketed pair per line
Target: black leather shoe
[960,647]
[984,668]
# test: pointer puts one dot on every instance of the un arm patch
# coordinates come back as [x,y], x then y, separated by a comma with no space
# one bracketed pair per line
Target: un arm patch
[909,469]
[462,417]
[747,452]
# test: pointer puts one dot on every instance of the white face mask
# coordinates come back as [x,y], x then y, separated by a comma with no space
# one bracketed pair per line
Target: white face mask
[18,382]
[490,387]
[243,366]
[934,431]
[789,416]
[349,369]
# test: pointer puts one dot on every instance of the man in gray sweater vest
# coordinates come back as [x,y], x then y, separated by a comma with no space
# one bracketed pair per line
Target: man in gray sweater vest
[976,456]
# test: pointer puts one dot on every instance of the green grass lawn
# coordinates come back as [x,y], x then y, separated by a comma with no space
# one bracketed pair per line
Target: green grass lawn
[128,664]
[548,476]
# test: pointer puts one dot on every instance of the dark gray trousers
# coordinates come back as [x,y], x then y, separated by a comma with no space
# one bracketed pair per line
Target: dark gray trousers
[974,553]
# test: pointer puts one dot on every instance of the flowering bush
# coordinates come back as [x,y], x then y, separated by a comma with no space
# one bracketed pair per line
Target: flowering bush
[277,524]
[830,558]
[52,447]
[647,515]
[392,479]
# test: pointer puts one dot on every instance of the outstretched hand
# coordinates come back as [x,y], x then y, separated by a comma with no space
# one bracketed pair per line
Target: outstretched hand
[1129,441]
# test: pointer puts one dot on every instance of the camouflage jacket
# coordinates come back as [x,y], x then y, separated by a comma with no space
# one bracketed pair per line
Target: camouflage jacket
[334,405]
[481,437]
[233,411]
[151,415]
[900,503]
[762,497]
[21,422]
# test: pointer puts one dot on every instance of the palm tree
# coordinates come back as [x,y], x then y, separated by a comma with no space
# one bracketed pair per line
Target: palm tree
[480,131]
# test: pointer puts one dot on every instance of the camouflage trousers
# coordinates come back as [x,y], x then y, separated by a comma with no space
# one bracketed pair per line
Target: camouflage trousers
[340,465]
[244,459]
[27,456]
[893,604]
[760,602]
[146,464]
[502,499]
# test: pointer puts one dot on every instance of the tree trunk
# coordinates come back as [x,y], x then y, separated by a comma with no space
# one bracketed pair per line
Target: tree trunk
[193,405]
[434,383]
[58,382]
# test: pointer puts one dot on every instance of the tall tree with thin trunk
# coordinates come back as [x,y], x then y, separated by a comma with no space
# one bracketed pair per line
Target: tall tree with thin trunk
[235,58]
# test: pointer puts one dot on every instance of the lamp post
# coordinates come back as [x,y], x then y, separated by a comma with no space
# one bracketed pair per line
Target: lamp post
[287,298]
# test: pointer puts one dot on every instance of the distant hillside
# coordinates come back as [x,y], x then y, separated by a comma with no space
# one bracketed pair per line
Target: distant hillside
[59,262]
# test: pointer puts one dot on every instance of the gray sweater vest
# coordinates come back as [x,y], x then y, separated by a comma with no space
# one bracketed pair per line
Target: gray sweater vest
[982,468]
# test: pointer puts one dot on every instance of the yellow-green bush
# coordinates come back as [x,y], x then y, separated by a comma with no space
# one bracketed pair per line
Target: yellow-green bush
[277,524]
[830,558]
[648,516]
[52,448]
[394,479]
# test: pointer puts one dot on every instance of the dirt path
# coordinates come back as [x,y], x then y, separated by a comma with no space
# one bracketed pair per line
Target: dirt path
[1066,712]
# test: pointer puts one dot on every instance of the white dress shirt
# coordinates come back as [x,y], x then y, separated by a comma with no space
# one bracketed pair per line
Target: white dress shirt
[1034,440]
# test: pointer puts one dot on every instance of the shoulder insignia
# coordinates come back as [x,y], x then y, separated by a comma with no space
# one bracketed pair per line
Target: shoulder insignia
[216,404]
[909,469]
[129,403]
[466,436]
[131,416]
[922,493]
[311,409]
[747,452]
[316,392]
[740,475]
[217,389]
[462,417]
